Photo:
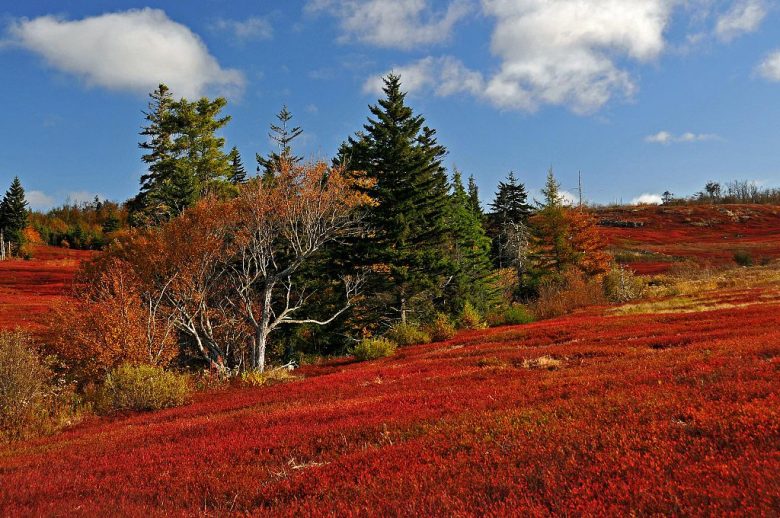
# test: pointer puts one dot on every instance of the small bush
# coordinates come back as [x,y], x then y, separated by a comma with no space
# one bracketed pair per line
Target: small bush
[373,348]
[24,387]
[442,328]
[621,285]
[470,318]
[256,378]
[743,258]
[513,315]
[408,334]
[561,296]
[142,387]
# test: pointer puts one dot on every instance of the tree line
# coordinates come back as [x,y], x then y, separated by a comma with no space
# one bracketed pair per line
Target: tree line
[235,270]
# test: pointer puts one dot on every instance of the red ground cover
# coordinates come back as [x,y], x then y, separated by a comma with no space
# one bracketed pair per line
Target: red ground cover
[647,414]
[28,289]
[708,234]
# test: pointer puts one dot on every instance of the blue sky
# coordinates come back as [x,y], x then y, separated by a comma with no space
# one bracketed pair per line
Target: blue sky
[642,96]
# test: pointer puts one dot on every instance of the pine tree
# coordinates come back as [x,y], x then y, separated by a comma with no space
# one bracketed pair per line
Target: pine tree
[470,252]
[283,134]
[408,223]
[14,213]
[237,173]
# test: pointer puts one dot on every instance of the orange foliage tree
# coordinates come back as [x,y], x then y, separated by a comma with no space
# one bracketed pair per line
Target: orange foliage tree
[282,224]
[113,321]
[222,275]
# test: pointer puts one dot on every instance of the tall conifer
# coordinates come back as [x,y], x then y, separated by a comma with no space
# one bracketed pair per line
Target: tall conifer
[14,213]
[409,234]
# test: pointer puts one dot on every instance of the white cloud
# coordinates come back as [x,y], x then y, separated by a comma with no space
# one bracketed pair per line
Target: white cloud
[770,67]
[647,199]
[132,50]
[254,28]
[665,137]
[39,200]
[564,52]
[443,76]
[569,198]
[745,16]
[403,24]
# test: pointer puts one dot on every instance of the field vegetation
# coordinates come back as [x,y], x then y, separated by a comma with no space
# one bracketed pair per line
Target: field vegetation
[359,336]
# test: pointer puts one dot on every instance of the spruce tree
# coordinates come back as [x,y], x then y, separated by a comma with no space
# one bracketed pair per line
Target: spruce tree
[200,150]
[469,254]
[237,173]
[509,208]
[473,195]
[160,157]
[408,223]
[184,156]
[551,232]
[14,213]
[283,134]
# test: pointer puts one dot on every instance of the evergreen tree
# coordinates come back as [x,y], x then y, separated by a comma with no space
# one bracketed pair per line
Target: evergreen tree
[14,213]
[552,232]
[237,173]
[200,150]
[283,134]
[184,156]
[470,252]
[551,192]
[473,195]
[111,224]
[406,245]
[508,209]
[160,157]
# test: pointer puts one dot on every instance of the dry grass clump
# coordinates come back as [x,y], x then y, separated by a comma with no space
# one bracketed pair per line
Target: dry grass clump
[543,362]
[492,361]
[703,290]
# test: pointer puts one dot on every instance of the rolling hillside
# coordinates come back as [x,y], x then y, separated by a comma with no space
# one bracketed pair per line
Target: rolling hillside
[653,239]
[666,406]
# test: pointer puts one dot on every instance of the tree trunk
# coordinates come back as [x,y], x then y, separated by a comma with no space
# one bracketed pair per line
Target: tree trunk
[261,332]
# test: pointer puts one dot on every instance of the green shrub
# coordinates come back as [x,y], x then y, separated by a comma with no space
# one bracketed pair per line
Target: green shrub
[442,328]
[513,315]
[408,334]
[142,387]
[743,258]
[373,348]
[621,285]
[470,318]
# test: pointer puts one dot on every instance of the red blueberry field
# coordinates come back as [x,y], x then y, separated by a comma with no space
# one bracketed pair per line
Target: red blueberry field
[668,406]
[653,239]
